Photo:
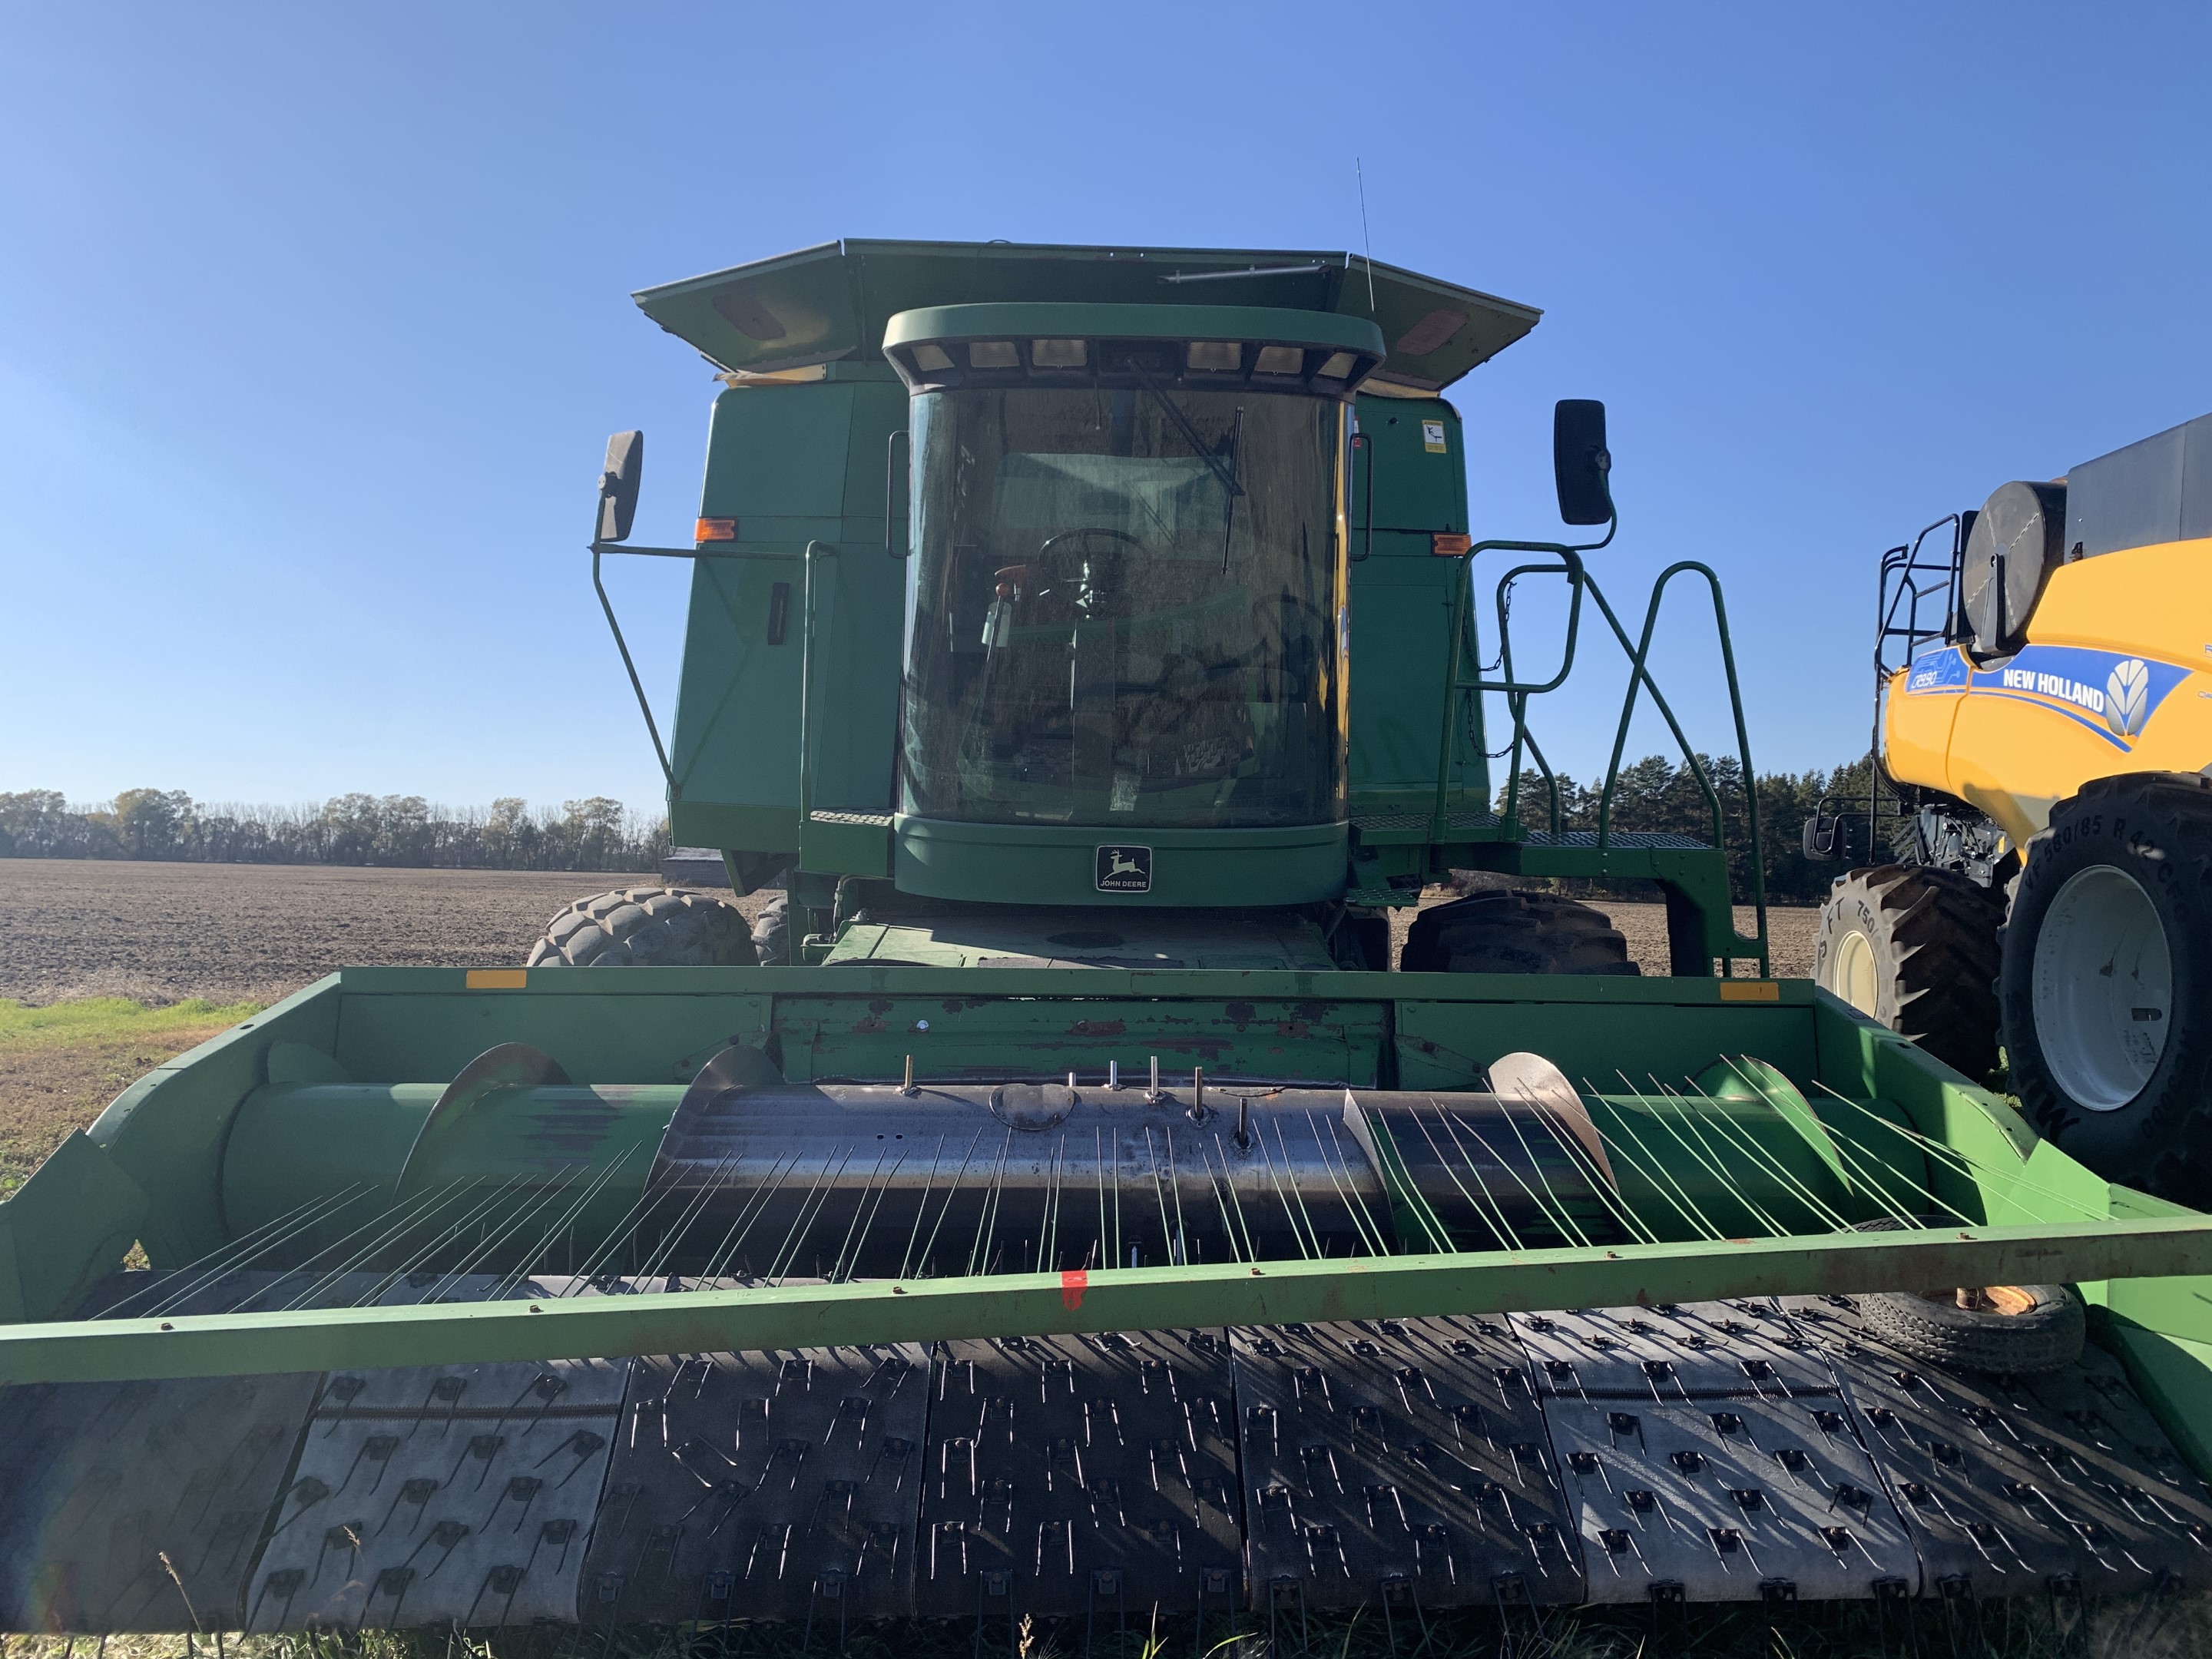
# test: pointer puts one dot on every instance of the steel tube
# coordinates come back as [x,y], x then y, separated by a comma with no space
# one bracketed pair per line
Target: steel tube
[1151,1298]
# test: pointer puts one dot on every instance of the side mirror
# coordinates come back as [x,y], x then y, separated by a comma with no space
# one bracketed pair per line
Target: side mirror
[1580,461]
[618,485]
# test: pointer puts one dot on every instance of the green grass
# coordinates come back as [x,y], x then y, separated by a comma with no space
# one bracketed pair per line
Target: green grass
[110,1020]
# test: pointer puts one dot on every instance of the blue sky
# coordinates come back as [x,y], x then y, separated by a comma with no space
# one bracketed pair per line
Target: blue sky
[313,319]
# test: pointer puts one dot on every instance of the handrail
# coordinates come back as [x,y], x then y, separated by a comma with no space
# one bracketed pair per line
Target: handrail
[1360,440]
[1640,675]
[1904,582]
[1439,817]
[1518,702]
[1518,692]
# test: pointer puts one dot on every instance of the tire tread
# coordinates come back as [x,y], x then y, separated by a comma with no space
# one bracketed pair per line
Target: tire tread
[646,927]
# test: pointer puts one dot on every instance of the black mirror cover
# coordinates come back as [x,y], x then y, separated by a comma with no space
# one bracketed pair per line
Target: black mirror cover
[618,485]
[1580,461]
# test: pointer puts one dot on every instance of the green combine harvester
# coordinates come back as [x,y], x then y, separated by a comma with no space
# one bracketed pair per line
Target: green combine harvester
[1062,1206]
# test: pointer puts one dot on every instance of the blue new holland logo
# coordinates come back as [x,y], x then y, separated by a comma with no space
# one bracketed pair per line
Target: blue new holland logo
[2110,694]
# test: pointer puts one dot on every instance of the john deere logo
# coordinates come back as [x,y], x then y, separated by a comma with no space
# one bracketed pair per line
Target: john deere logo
[1125,869]
[2127,697]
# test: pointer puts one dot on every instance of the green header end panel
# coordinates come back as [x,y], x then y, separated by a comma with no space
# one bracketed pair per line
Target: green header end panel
[791,463]
[1414,463]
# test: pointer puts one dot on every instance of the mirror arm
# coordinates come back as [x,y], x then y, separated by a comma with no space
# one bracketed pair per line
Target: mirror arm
[599,548]
[622,646]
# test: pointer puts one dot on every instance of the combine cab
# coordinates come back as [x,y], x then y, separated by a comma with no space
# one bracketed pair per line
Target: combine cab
[1070,1209]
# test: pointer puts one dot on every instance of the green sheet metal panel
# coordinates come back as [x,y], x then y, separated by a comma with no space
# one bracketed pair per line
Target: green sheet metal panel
[1057,864]
[165,1131]
[1447,1045]
[830,302]
[1400,618]
[984,1033]
[1401,606]
[1418,451]
[423,1032]
[791,463]
[76,1217]
[647,1024]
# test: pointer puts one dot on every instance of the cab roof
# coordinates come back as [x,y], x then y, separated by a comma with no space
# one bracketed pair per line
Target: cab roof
[825,303]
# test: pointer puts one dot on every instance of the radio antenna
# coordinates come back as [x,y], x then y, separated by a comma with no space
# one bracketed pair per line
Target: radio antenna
[1366,241]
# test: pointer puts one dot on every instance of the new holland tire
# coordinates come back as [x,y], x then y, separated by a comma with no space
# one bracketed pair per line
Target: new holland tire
[2029,1328]
[2107,987]
[1915,950]
[646,927]
[1510,931]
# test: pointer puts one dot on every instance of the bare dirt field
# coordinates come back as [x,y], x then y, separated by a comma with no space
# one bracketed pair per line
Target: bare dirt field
[230,933]
[1789,935]
[238,933]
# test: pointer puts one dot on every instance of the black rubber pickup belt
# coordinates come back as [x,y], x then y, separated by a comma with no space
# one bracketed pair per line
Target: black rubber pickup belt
[1744,1452]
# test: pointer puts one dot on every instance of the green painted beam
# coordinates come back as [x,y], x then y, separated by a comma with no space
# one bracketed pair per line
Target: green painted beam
[1143,1298]
[1208,984]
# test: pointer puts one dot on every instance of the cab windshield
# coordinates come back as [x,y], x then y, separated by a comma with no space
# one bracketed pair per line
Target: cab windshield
[1123,608]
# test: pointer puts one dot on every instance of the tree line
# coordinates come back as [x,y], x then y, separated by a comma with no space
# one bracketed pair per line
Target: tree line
[599,834]
[406,831]
[1656,795]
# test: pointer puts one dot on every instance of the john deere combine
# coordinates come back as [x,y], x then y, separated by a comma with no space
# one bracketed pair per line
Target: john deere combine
[1079,1215]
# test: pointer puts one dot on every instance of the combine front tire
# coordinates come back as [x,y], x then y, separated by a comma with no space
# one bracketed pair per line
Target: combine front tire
[1510,931]
[772,933]
[646,927]
[2107,982]
[1915,950]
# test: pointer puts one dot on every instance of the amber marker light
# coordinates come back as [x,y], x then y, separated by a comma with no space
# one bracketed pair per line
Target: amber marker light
[716,530]
[1443,546]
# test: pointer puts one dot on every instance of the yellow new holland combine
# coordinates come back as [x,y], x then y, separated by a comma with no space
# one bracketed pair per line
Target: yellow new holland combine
[2046,730]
